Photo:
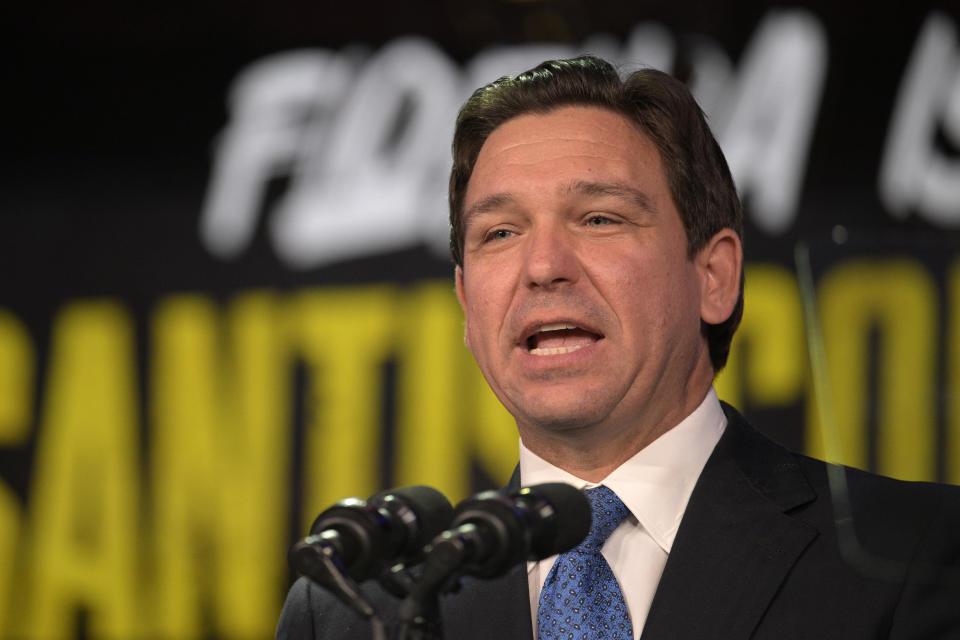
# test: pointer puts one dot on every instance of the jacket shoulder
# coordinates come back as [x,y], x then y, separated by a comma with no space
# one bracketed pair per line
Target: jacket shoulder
[871,515]
[311,612]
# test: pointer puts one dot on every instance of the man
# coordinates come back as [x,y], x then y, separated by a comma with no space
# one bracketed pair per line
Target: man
[596,234]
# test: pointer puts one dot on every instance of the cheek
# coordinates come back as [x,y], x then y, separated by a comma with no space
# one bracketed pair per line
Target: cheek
[637,276]
[479,317]
[488,292]
[655,291]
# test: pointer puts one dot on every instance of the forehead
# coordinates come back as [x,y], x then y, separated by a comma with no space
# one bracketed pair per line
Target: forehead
[570,143]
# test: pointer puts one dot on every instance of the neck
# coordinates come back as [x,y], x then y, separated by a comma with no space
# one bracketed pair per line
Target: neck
[591,452]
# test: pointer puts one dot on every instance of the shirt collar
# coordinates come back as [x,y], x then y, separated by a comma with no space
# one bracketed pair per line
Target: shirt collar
[656,483]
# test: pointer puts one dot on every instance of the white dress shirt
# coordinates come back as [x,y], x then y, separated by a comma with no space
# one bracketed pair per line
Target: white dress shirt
[655,485]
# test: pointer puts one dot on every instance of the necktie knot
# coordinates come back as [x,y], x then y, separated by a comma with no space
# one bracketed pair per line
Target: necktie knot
[608,512]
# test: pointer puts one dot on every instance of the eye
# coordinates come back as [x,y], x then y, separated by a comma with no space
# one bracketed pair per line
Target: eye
[597,220]
[497,234]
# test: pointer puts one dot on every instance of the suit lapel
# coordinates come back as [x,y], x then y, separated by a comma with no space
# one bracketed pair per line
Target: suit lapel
[485,609]
[735,544]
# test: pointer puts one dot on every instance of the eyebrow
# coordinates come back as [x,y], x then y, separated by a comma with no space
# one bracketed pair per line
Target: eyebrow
[583,187]
[490,203]
[614,189]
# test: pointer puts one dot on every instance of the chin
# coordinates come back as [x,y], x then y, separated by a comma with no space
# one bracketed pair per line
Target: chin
[564,417]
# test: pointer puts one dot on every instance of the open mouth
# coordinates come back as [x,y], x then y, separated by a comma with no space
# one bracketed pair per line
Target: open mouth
[558,338]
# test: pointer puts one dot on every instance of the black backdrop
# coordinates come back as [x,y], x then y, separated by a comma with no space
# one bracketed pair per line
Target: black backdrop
[116,119]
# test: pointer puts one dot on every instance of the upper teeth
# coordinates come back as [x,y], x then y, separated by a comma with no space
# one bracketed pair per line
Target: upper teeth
[557,326]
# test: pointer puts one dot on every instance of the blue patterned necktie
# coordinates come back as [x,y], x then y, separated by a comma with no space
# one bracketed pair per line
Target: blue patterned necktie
[581,599]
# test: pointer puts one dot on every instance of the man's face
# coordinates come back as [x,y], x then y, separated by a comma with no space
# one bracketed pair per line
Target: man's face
[582,307]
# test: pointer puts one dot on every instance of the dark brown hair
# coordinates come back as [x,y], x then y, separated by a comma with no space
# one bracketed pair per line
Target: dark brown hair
[660,106]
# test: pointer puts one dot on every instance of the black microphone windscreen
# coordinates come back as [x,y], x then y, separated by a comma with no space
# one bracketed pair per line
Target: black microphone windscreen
[569,523]
[432,509]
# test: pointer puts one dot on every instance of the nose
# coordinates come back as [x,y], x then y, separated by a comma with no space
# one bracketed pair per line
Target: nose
[550,259]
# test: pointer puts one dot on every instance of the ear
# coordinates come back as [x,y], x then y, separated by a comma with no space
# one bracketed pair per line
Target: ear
[719,264]
[461,295]
[462,299]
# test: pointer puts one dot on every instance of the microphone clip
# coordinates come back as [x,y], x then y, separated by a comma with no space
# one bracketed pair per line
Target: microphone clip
[317,559]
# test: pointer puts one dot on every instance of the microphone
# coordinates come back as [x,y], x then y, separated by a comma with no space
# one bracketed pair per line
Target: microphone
[499,530]
[493,531]
[355,539]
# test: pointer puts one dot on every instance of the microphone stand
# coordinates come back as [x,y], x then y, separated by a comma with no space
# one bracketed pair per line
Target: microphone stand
[420,611]
[314,558]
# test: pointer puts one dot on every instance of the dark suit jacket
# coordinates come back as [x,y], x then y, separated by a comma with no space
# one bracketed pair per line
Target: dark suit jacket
[772,545]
